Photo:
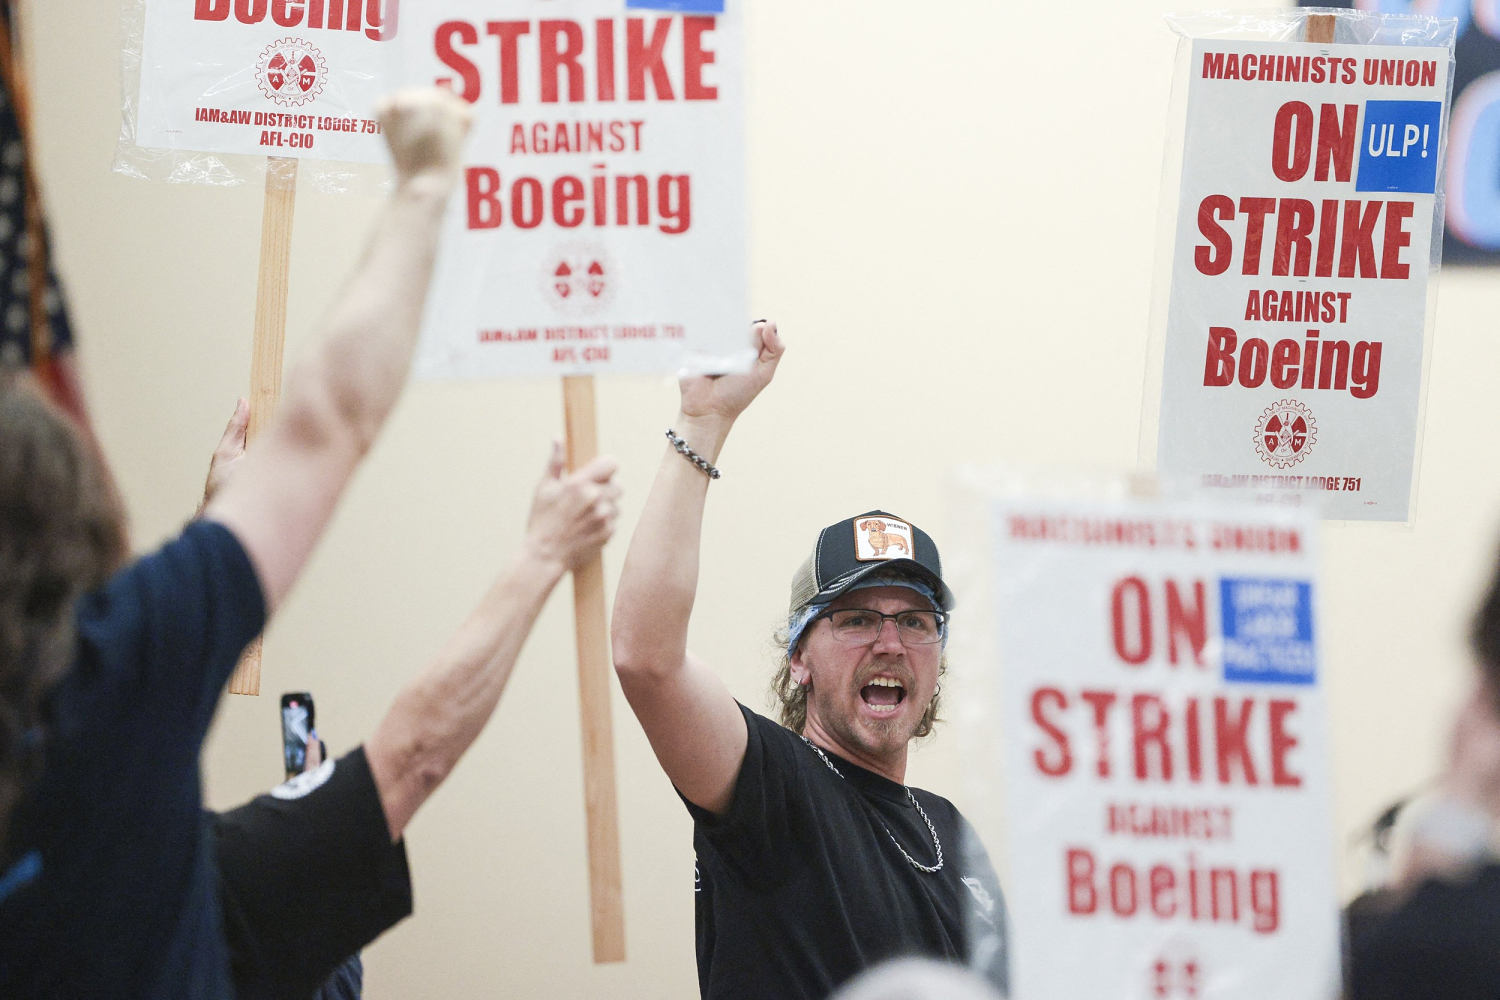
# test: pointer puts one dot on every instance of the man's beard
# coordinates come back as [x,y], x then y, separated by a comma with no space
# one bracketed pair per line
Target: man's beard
[872,736]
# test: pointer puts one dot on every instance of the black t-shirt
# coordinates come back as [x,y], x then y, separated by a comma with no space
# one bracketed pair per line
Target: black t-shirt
[1441,941]
[126,904]
[799,886]
[308,876]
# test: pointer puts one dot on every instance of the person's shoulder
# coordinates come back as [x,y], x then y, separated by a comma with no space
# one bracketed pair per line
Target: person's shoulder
[178,616]
[200,545]
[209,558]
[770,745]
[939,805]
[927,795]
[204,557]
[756,721]
[211,539]
[766,730]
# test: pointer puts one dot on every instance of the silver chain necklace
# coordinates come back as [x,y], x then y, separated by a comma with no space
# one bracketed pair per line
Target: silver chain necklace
[936,843]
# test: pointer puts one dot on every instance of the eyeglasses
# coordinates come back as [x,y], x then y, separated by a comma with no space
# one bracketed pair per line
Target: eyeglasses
[860,626]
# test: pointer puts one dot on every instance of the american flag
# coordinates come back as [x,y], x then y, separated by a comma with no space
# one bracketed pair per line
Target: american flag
[34,330]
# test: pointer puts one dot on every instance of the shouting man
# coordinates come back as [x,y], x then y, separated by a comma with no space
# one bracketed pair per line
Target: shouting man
[815,860]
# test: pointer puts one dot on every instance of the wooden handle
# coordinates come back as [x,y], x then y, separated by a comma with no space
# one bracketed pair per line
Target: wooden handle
[1320,28]
[606,910]
[270,337]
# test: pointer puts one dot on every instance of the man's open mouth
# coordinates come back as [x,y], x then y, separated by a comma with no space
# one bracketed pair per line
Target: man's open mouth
[883,694]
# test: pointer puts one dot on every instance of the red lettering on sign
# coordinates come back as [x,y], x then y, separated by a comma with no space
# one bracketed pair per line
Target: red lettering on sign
[643,57]
[1062,763]
[694,58]
[375,18]
[442,47]
[1299,247]
[1292,142]
[1149,719]
[555,50]
[1131,613]
[1187,891]
[561,44]
[1336,142]
[604,58]
[1232,742]
[1161,739]
[1130,617]
[509,33]
[1336,364]
[667,205]
[1282,744]
[1100,702]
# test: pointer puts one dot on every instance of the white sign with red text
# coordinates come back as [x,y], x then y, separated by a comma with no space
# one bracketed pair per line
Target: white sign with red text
[1165,752]
[1304,249]
[293,78]
[600,226]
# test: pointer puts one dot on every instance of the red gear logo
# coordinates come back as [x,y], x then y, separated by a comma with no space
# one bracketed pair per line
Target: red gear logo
[580,279]
[590,281]
[1285,433]
[291,72]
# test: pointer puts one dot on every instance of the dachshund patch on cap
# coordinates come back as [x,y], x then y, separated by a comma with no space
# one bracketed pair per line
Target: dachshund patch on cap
[877,538]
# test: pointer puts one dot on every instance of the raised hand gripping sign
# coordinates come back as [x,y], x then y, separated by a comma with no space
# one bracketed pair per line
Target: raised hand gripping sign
[1303,264]
[601,223]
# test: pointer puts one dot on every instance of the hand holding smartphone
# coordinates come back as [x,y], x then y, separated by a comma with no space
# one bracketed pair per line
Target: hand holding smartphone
[296,728]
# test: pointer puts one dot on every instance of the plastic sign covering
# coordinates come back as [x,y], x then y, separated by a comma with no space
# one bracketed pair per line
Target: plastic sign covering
[289,78]
[1163,745]
[1473,180]
[600,226]
[1302,269]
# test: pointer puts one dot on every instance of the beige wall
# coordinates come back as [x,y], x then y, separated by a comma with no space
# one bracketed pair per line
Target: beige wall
[952,218]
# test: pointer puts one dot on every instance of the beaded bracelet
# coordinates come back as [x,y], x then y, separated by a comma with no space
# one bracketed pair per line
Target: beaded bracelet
[702,463]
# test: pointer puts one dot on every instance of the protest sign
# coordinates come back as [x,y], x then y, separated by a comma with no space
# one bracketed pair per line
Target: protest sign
[291,78]
[286,79]
[1301,270]
[1163,744]
[601,224]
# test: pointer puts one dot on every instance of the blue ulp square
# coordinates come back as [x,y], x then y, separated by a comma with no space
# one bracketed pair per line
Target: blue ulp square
[1268,632]
[685,6]
[1398,146]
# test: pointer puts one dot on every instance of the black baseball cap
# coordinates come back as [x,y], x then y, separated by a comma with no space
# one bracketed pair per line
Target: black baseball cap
[874,542]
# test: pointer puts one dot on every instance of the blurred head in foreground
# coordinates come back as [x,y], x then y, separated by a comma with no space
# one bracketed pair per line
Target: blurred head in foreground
[62,533]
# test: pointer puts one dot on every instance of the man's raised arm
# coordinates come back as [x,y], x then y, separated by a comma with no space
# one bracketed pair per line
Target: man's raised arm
[339,395]
[439,715]
[435,719]
[693,724]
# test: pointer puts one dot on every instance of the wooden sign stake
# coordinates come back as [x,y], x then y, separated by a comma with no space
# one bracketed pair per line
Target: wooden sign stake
[270,337]
[606,910]
[1320,28]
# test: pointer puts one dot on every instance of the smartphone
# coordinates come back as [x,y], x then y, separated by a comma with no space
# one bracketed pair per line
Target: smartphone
[296,724]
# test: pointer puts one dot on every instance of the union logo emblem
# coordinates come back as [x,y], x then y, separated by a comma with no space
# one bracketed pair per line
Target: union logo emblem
[1285,433]
[578,279]
[291,72]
